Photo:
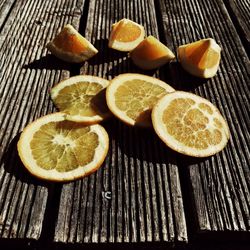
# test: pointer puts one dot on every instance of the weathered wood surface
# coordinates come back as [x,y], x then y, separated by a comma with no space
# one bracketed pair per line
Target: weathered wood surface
[145,202]
[5,8]
[241,15]
[219,184]
[27,74]
[136,196]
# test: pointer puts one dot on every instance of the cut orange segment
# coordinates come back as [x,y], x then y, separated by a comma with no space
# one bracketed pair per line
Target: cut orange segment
[151,54]
[126,35]
[131,97]
[71,46]
[82,98]
[190,124]
[200,58]
[54,149]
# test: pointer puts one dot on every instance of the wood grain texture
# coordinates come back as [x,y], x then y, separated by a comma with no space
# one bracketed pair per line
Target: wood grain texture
[219,184]
[135,196]
[26,76]
[240,13]
[5,9]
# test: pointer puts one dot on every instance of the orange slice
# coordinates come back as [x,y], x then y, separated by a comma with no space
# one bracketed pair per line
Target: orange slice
[54,149]
[71,46]
[190,124]
[126,35]
[131,97]
[151,54]
[200,58]
[82,98]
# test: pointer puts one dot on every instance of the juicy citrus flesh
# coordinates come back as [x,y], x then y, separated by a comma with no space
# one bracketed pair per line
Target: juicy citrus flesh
[83,99]
[55,149]
[190,126]
[126,32]
[77,99]
[126,35]
[201,54]
[60,146]
[135,96]
[131,97]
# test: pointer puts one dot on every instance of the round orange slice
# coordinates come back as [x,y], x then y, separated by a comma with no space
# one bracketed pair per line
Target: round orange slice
[82,98]
[131,97]
[190,124]
[151,54]
[55,149]
[200,58]
[126,35]
[71,46]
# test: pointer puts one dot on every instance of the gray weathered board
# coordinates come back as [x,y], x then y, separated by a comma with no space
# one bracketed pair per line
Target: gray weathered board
[5,8]
[136,196]
[241,15]
[219,184]
[141,175]
[26,76]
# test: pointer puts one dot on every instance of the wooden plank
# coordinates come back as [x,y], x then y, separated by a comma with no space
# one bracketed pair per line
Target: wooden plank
[135,196]
[5,9]
[219,185]
[240,13]
[27,74]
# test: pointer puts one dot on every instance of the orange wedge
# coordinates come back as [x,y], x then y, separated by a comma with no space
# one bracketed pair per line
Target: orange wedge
[71,46]
[151,54]
[126,35]
[55,149]
[190,124]
[200,58]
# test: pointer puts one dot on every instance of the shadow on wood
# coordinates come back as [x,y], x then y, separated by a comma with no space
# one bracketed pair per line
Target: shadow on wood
[49,62]
[13,165]
[181,79]
[105,54]
[139,143]
[125,65]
